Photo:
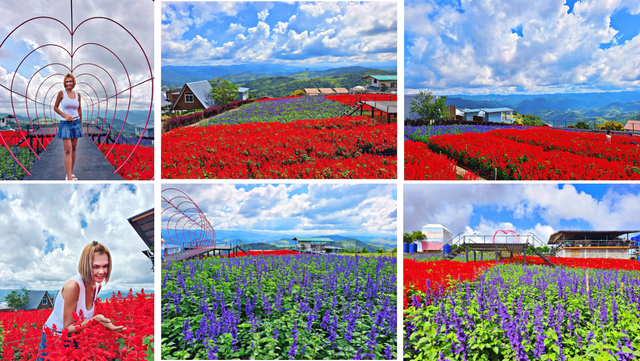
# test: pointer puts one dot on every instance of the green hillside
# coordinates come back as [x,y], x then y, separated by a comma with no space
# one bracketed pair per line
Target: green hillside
[281,86]
[242,78]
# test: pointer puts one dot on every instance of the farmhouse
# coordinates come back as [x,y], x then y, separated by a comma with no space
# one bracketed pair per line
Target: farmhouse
[594,244]
[39,300]
[501,115]
[195,95]
[4,124]
[391,81]
[468,114]
[145,133]
[316,245]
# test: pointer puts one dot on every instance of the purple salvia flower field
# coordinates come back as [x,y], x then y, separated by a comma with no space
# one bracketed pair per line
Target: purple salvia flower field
[280,307]
[518,312]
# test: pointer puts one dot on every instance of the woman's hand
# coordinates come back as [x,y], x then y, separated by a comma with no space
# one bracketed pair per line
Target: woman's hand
[107,323]
[68,118]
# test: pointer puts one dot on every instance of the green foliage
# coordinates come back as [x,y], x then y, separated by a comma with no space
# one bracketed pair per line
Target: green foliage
[17,299]
[9,167]
[379,250]
[412,237]
[364,250]
[222,91]
[571,126]
[528,119]
[148,341]
[1,338]
[384,87]
[582,125]
[428,106]
[277,306]
[298,93]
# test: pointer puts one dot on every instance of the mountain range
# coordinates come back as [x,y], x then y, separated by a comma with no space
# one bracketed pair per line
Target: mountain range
[560,108]
[274,80]
[277,240]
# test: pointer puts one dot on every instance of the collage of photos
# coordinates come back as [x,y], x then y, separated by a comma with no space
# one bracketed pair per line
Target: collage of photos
[286,227]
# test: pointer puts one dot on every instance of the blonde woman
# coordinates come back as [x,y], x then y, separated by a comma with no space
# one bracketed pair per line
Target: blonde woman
[80,292]
[70,128]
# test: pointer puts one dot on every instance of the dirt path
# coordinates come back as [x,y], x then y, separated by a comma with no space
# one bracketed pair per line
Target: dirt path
[461,171]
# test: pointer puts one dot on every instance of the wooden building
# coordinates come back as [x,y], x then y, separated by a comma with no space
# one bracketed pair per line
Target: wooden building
[593,244]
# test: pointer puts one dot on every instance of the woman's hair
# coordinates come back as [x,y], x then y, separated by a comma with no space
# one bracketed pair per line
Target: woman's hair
[65,79]
[86,261]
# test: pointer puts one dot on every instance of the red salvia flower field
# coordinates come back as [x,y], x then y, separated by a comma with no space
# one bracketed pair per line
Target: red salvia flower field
[135,312]
[139,167]
[343,147]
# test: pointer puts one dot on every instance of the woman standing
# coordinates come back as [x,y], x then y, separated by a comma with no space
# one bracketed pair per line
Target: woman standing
[80,292]
[70,129]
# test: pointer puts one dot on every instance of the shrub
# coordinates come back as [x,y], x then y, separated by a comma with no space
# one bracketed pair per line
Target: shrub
[582,125]
[611,125]
[297,93]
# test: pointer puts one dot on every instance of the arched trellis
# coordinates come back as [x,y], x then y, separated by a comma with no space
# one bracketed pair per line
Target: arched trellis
[186,226]
[507,232]
[92,102]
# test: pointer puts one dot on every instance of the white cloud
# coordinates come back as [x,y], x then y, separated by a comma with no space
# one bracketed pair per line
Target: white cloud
[275,207]
[263,15]
[557,52]
[319,8]
[28,221]
[236,29]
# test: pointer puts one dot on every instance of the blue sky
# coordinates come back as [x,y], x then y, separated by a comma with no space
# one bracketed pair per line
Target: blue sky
[363,209]
[136,17]
[538,208]
[45,228]
[320,33]
[521,46]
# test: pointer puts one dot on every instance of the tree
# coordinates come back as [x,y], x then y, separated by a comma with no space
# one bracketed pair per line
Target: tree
[582,125]
[412,237]
[379,250]
[16,301]
[298,93]
[384,87]
[364,250]
[428,106]
[611,125]
[395,250]
[222,91]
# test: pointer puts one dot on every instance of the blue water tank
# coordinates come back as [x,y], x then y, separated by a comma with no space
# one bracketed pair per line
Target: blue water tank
[405,247]
[446,249]
[413,248]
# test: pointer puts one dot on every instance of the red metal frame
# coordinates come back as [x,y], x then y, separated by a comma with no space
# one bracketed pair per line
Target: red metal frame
[71,30]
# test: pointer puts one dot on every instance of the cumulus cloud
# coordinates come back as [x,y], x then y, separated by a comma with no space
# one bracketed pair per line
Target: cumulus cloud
[337,208]
[552,50]
[321,32]
[45,228]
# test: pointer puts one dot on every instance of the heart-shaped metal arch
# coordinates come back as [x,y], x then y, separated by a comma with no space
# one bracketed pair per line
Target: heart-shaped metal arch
[507,232]
[92,102]
[186,225]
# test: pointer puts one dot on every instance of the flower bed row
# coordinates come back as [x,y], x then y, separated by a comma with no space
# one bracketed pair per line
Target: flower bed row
[181,121]
[135,312]
[587,144]
[139,167]
[520,161]
[282,110]
[423,133]
[275,150]
[420,163]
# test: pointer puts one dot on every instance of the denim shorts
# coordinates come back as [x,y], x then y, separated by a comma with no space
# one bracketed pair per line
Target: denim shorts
[70,129]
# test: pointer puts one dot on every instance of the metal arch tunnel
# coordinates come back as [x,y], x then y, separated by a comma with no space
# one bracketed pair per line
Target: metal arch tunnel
[38,132]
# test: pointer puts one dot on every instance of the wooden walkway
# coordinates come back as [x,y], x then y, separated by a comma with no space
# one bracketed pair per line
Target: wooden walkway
[90,163]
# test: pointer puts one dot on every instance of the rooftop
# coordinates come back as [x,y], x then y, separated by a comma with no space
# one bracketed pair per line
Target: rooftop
[312,239]
[382,77]
[561,236]
[496,110]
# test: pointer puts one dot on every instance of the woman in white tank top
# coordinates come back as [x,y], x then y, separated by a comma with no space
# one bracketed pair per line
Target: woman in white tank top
[79,293]
[70,128]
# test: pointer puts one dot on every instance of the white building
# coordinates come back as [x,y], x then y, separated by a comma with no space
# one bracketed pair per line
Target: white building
[436,236]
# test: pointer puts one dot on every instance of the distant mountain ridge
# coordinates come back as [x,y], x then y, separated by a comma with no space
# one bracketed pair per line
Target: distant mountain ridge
[561,108]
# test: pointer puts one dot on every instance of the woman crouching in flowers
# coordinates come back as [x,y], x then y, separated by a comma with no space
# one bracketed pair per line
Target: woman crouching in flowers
[80,292]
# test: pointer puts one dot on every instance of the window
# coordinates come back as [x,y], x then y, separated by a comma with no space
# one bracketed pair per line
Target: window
[44,301]
[188,97]
[375,81]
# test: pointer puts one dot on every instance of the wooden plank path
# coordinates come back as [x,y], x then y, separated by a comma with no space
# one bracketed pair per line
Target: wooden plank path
[90,163]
